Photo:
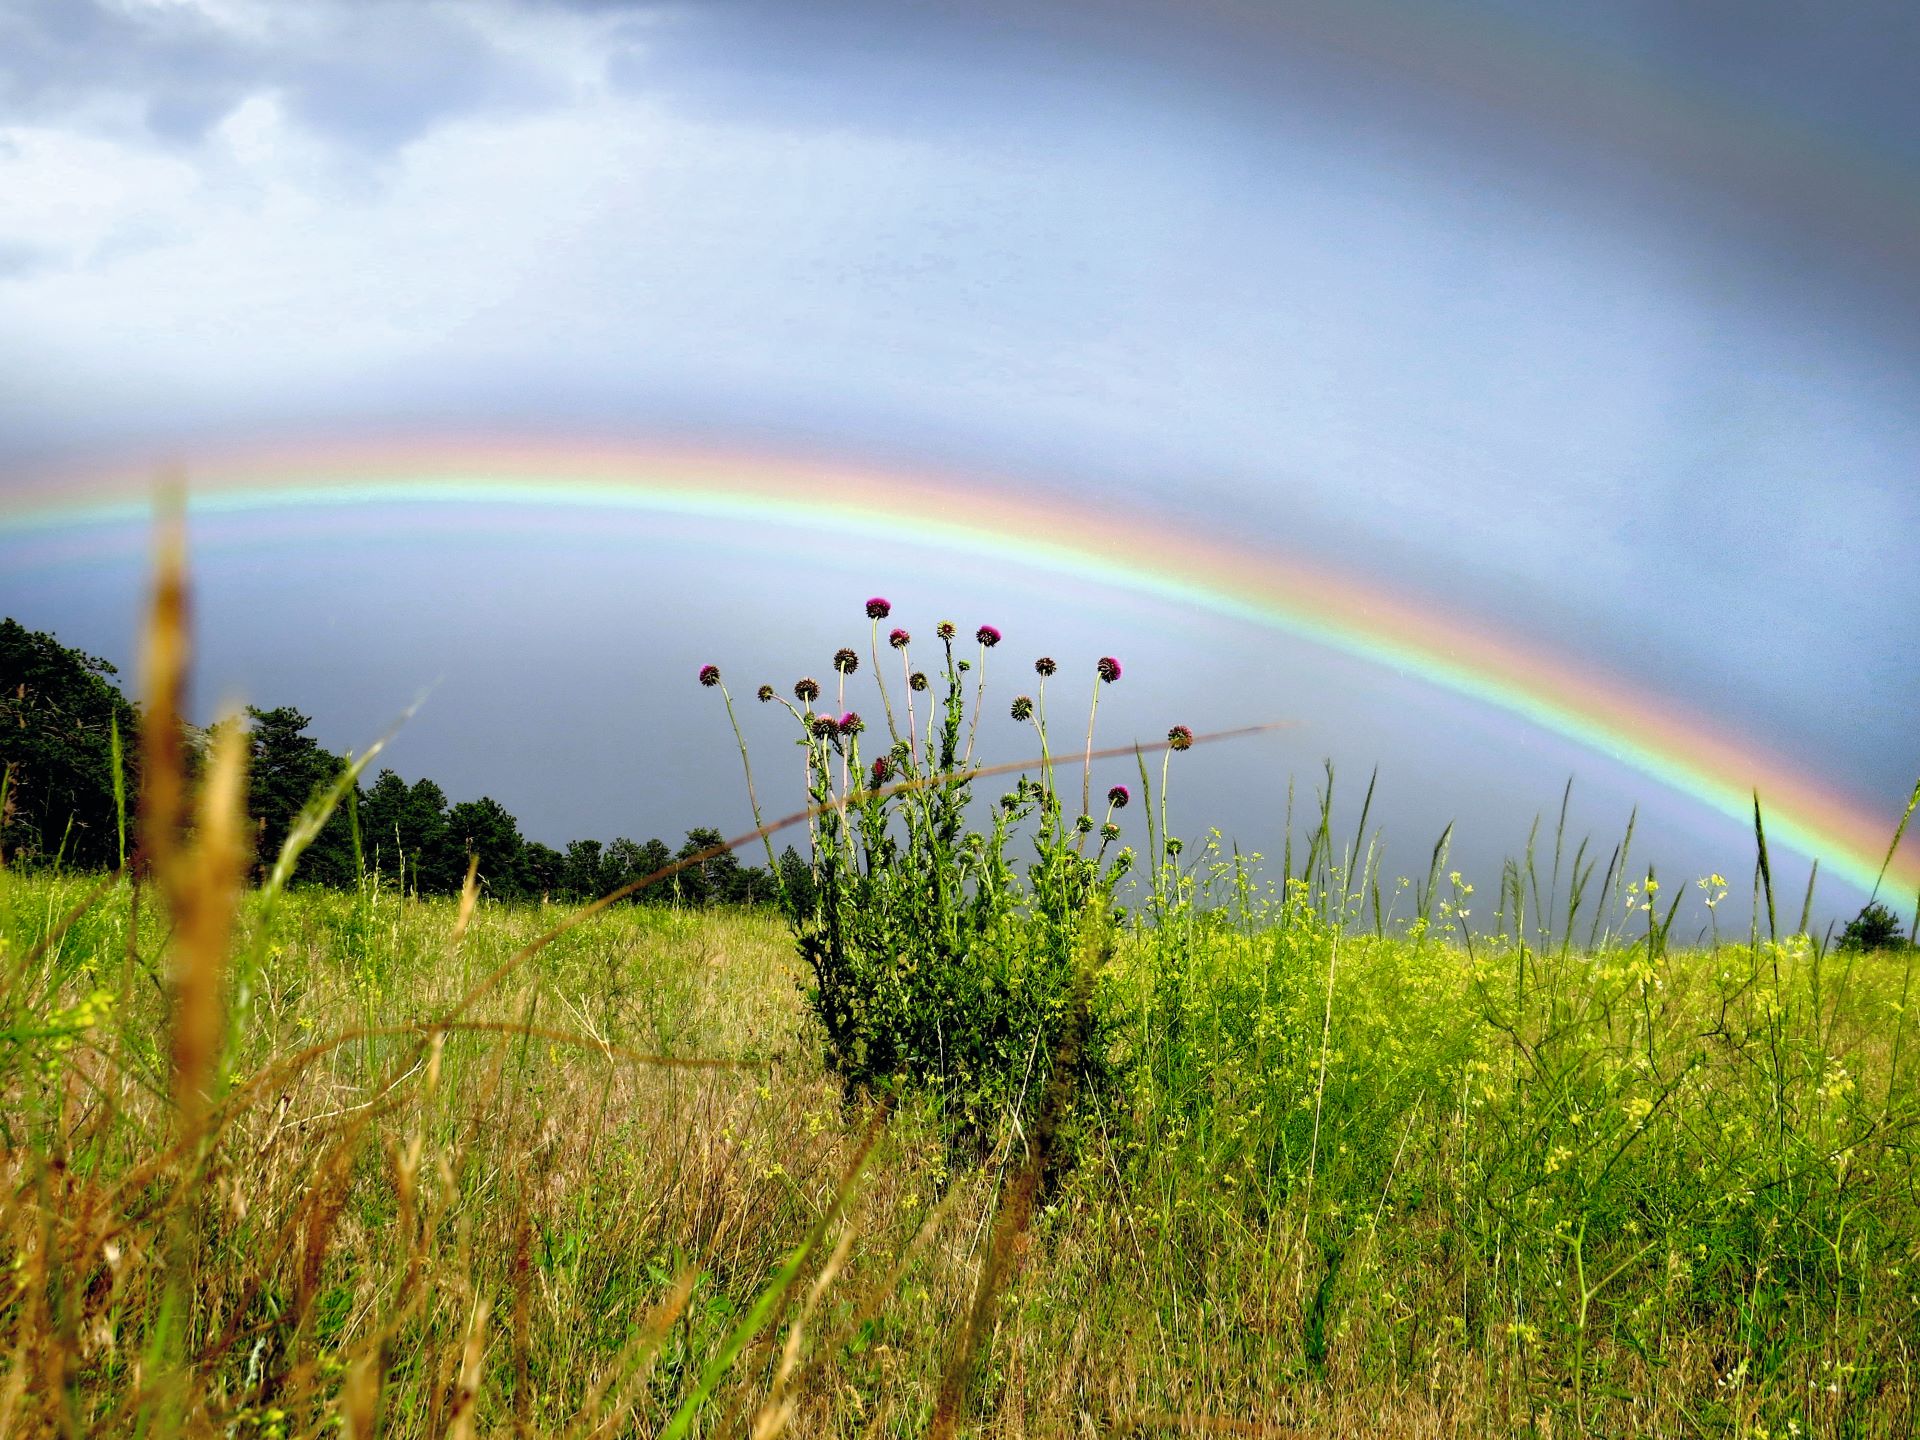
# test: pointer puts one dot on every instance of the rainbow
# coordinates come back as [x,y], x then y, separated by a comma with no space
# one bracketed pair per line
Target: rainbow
[1593,710]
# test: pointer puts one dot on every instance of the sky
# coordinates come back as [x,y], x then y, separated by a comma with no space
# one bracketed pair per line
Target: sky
[1594,328]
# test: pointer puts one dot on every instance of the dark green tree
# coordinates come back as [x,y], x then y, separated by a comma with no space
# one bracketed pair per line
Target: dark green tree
[286,768]
[1874,928]
[713,880]
[542,869]
[485,828]
[583,875]
[653,857]
[57,709]
[796,878]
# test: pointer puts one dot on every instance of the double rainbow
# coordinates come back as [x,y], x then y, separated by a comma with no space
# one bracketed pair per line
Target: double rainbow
[1595,711]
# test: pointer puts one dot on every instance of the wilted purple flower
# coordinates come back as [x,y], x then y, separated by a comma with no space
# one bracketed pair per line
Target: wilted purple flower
[806,691]
[898,639]
[1117,797]
[917,680]
[944,629]
[987,635]
[1109,669]
[1044,666]
[851,723]
[878,609]
[1179,738]
[709,675]
[1023,707]
[845,661]
[882,770]
[765,692]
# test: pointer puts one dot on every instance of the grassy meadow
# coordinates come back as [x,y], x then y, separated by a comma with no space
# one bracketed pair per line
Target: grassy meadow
[1415,1183]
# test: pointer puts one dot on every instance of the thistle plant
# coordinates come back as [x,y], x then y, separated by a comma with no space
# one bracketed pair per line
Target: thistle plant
[943,936]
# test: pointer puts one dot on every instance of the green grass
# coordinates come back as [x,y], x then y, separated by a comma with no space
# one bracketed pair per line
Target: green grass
[1344,1183]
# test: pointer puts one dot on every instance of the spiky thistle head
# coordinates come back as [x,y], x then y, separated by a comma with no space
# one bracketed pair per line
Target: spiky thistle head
[764,693]
[845,661]
[1109,669]
[709,675]
[882,770]
[1173,845]
[988,635]
[945,630]
[1023,707]
[851,723]
[878,608]
[917,680]
[1044,666]
[1109,832]
[1179,738]
[1083,823]
[899,639]
[806,691]
[824,727]
[1117,797]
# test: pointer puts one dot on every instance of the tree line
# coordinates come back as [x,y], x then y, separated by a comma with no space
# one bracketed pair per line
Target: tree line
[70,771]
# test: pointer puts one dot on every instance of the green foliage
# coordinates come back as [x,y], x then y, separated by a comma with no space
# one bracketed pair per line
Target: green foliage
[1874,928]
[484,828]
[939,958]
[286,768]
[58,710]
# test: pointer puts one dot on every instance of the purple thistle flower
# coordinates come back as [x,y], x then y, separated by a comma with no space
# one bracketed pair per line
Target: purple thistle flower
[878,608]
[845,661]
[1109,669]
[898,639]
[1117,797]
[806,691]
[988,635]
[1023,707]
[944,630]
[882,770]
[917,680]
[1044,666]
[1180,738]
[765,693]
[709,675]
[851,723]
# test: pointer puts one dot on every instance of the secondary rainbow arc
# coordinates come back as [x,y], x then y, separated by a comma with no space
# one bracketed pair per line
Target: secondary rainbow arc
[1595,711]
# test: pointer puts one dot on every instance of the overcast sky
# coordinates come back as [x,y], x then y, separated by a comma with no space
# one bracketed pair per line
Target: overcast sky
[1598,328]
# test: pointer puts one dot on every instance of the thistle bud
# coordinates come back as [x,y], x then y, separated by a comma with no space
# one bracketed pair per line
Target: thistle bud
[1023,707]
[806,691]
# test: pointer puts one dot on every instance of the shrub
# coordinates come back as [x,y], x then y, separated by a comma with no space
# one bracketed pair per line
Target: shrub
[938,960]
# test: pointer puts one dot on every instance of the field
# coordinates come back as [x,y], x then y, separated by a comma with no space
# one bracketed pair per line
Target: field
[1432,1182]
